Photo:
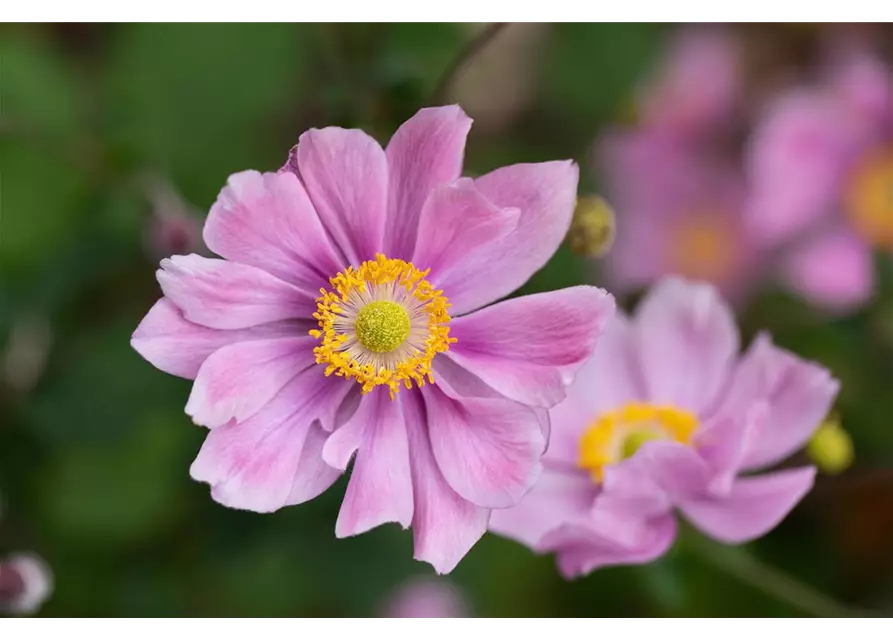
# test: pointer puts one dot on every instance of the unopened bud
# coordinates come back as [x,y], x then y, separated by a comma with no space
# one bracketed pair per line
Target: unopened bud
[831,447]
[25,583]
[593,228]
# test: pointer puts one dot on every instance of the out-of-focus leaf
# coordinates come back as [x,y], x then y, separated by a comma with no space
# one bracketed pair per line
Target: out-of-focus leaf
[40,94]
[126,490]
[422,52]
[202,101]
[99,388]
[592,70]
[39,213]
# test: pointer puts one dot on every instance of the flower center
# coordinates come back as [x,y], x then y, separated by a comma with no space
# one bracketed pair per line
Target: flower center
[869,200]
[618,435]
[381,324]
[703,247]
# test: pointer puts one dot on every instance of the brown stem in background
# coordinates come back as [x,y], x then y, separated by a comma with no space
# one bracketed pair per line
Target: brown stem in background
[476,44]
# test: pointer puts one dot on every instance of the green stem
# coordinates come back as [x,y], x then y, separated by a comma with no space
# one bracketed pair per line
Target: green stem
[479,42]
[749,570]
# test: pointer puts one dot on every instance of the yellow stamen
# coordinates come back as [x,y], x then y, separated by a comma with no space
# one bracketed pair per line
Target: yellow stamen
[618,435]
[869,200]
[703,247]
[831,447]
[593,227]
[382,326]
[378,326]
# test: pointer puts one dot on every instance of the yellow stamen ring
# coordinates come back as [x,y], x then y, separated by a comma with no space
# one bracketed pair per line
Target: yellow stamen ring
[381,324]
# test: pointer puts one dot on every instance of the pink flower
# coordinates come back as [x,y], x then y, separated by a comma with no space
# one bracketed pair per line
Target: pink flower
[697,86]
[25,583]
[666,416]
[351,278]
[679,211]
[821,169]
[425,598]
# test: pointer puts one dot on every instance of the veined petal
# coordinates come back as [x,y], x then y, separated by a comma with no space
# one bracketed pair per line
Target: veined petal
[380,488]
[545,194]
[424,153]
[228,295]
[444,524]
[274,458]
[179,347]
[529,348]
[346,175]
[236,381]
[457,220]
[487,449]
[267,221]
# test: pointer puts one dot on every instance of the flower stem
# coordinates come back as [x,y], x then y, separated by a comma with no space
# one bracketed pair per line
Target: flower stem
[748,569]
[475,45]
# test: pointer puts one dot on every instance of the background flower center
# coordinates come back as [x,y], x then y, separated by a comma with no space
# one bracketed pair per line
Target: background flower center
[870,200]
[618,435]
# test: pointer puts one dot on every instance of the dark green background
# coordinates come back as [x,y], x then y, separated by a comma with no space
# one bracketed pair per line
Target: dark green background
[94,459]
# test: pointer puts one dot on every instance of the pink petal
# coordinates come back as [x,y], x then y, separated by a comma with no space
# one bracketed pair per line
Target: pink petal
[798,395]
[228,295]
[725,442]
[557,498]
[487,449]
[445,525]
[605,382]
[834,270]
[687,340]
[236,381]
[529,348]
[346,175]
[380,488]
[797,160]
[865,83]
[427,598]
[424,153]
[699,84]
[455,222]
[267,221]
[179,347]
[581,549]
[753,507]
[274,458]
[545,194]
[677,469]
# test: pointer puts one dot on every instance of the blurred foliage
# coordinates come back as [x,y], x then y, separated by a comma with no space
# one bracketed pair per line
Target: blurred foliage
[94,459]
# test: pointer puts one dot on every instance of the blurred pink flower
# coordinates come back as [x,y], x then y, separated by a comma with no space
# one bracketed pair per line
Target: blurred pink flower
[697,86]
[25,584]
[667,416]
[679,211]
[427,598]
[821,171]
[343,217]
[174,227]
